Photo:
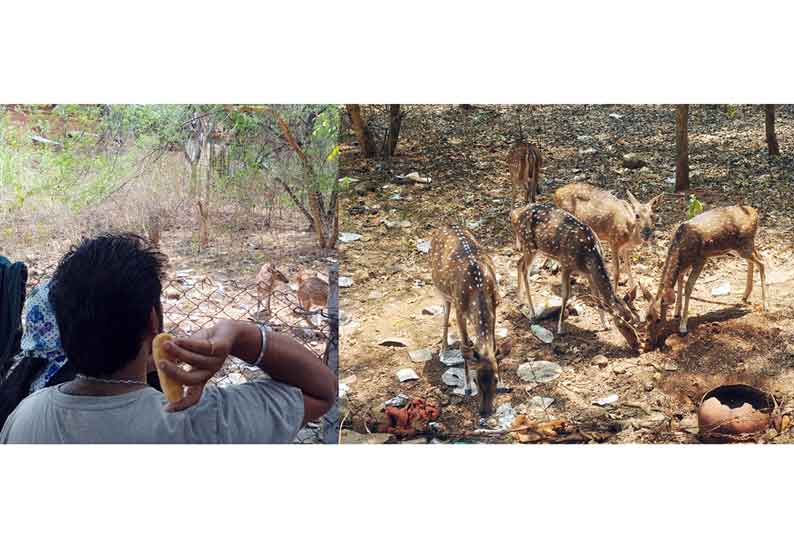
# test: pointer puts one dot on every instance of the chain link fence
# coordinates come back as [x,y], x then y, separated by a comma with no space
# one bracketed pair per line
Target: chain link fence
[192,302]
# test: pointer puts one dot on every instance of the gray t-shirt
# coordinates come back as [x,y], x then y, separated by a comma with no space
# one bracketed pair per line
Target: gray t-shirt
[262,411]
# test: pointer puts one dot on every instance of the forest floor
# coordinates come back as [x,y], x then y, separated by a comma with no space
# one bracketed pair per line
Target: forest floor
[658,392]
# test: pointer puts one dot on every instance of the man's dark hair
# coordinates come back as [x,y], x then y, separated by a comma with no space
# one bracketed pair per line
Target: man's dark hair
[103,293]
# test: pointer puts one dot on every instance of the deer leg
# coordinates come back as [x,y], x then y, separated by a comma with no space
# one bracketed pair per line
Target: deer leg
[465,346]
[525,265]
[565,290]
[627,254]
[748,287]
[762,272]
[616,257]
[679,296]
[751,258]
[520,276]
[690,284]
[445,332]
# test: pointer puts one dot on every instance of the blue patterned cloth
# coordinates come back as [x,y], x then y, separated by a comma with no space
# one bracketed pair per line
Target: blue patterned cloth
[41,338]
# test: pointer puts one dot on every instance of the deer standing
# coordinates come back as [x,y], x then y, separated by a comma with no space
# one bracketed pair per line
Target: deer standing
[525,161]
[312,291]
[464,276]
[713,233]
[623,224]
[266,282]
[557,234]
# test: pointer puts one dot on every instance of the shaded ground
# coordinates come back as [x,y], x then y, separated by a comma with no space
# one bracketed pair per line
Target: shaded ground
[464,153]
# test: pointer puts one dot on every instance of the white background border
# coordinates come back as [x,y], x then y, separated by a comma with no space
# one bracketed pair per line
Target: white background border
[404,52]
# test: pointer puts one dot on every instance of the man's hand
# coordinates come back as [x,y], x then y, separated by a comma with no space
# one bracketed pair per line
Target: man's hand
[205,352]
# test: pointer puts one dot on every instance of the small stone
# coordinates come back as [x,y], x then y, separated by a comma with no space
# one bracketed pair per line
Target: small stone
[423,246]
[433,310]
[407,374]
[456,376]
[398,401]
[539,371]
[601,360]
[348,237]
[450,358]
[550,307]
[345,282]
[540,403]
[420,356]
[632,161]
[542,333]
[587,152]
[723,289]
[608,400]
[392,341]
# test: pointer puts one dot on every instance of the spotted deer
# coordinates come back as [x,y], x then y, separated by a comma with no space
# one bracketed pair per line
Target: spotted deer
[464,276]
[266,282]
[557,234]
[623,224]
[525,161]
[713,233]
[312,290]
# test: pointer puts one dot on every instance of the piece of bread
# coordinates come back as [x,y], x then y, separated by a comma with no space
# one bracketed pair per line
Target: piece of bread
[172,390]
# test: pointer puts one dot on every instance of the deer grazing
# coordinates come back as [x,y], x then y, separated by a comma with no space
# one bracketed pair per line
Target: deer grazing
[525,161]
[312,290]
[623,224]
[713,233]
[464,276]
[266,283]
[557,234]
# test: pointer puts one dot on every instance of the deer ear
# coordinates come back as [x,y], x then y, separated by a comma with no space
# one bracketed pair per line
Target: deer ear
[656,200]
[632,199]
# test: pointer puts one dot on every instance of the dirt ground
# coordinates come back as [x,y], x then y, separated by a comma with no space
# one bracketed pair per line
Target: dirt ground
[464,152]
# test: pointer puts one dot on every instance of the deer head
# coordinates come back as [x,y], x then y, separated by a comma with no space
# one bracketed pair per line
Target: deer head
[278,275]
[644,223]
[656,314]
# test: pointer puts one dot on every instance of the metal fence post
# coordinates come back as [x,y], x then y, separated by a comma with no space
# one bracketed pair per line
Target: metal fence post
[331,419]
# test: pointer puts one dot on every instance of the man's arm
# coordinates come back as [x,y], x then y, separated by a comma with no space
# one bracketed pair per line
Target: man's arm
[288,361]
[285,360]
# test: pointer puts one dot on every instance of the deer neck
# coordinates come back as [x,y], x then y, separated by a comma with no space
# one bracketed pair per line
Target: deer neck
[670,271]
[603,286]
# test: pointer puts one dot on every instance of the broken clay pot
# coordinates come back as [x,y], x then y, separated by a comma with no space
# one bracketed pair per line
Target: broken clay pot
[735,413]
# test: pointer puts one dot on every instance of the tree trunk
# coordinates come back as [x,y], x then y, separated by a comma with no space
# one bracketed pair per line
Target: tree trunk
[771,138]
[203,202]
[395,120]
[153,227]
[204,227]
[298,203]
[682,148]
[365,142]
